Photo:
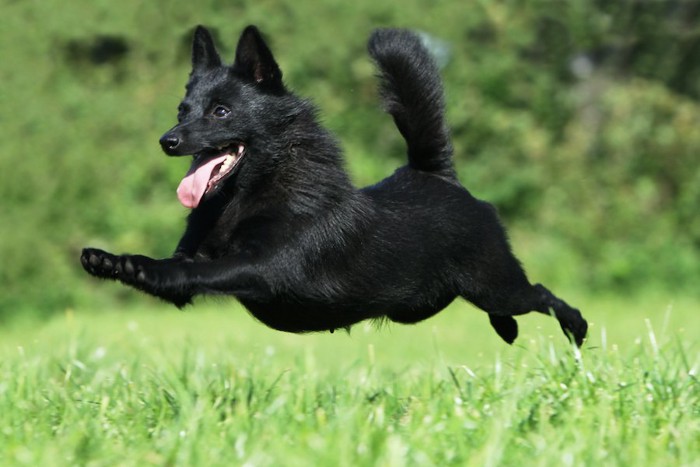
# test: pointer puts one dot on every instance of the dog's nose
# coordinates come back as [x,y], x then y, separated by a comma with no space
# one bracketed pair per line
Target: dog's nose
[169,142]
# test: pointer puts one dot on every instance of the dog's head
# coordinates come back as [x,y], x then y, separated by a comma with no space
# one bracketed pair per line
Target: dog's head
[226,110]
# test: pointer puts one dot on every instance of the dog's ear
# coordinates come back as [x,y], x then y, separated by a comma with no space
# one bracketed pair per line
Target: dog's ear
[255,63]
[204,55]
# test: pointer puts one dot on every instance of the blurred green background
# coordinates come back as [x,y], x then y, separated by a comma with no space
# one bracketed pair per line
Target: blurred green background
[580,120]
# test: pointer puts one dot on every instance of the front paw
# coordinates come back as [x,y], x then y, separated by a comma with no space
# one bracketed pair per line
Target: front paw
[125,268]
[161,278]
[99,263]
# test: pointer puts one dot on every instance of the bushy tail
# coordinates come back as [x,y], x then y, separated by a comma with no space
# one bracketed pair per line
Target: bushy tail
[412,93]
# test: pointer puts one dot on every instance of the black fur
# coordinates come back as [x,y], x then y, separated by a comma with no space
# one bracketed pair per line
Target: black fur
[288,235]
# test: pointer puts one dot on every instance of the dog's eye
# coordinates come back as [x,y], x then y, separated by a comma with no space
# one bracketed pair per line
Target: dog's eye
[221,111]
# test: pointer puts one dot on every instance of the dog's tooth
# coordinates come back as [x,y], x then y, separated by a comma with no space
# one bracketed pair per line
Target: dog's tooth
[228,162]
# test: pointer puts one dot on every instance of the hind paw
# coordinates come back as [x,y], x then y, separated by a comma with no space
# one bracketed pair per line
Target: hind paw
[505,326]
[575,331]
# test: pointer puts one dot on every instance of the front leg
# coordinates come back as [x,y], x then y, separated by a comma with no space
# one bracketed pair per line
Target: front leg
[163,278]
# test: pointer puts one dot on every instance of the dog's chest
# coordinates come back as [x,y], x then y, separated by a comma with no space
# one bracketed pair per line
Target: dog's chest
[220,241]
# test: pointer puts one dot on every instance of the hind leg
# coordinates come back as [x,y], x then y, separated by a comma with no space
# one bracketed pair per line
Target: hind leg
[503,304]
[570,319]
[505,326]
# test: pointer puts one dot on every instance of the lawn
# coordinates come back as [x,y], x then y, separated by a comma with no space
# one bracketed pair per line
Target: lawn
[210,386]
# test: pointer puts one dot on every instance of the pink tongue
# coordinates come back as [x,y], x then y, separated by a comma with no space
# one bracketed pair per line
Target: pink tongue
[195,183]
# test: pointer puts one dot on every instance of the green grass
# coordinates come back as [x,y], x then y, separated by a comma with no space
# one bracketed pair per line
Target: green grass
[154,386]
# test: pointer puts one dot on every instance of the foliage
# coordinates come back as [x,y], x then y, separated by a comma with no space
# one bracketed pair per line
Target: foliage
[578,119]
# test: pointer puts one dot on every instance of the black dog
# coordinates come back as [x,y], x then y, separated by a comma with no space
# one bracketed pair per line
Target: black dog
[276,223]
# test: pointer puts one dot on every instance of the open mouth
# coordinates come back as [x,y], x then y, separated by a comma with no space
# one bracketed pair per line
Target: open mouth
[207,172]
